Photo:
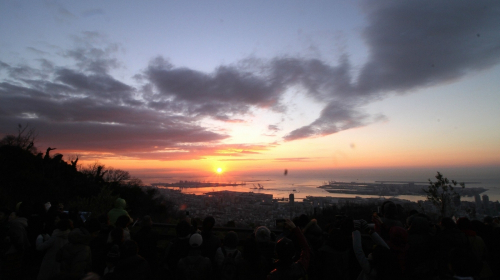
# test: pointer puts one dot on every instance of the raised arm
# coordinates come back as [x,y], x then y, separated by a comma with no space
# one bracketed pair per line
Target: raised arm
[358,251]
[305,251]
[379,241]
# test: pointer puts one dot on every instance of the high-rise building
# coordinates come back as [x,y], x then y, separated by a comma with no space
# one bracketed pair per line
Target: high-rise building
[486,201]
[477,199]
[291,199]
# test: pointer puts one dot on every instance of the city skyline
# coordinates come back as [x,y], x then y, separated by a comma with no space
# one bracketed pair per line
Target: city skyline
[188,87]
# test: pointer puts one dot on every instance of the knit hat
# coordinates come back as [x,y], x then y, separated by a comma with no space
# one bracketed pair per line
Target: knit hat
[262,234]
[195,240]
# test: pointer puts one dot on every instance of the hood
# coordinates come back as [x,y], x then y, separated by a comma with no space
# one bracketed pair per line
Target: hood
[120,203]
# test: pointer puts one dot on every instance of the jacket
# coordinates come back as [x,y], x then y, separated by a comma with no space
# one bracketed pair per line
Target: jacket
[50,266]
[118,211]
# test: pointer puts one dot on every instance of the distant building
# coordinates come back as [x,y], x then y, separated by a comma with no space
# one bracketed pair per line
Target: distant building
[486,201]
[291,199]
[477,199]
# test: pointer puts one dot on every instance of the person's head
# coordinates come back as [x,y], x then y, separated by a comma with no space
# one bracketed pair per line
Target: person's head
[195,241]
[463,223]
[56,220]
[21,210]
[93,226]
[302,221]
[47,206]
[285,250]
[123,221]
[183,229]
[488,220]
[117,235]
[262,234]
[120,203]
[411,215]
[479,227]
[419,225]
[231,240]
[448,223]
[64,224]
[146,221]
[208,223]
[390,210]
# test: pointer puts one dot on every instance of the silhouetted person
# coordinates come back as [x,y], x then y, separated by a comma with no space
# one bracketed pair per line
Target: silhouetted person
[210,242]
[76,257]
[117,211]
[286,268]
[19,244]
[51,245]
[178,248]
[194,266]
[258,254]
[381,262]
[228,258]
[478,247]
[129,265]
[147,240]
[4,230]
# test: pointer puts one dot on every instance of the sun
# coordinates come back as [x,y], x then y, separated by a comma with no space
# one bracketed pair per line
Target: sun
[219,170]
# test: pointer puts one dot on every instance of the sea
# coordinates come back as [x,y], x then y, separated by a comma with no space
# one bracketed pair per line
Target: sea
[302,183]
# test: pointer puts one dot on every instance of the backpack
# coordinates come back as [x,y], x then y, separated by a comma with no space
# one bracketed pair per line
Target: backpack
[229,268]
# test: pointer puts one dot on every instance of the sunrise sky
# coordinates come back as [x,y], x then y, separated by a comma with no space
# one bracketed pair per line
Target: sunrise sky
[245,86]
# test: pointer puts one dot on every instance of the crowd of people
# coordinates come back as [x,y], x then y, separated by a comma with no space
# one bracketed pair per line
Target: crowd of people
[55,244]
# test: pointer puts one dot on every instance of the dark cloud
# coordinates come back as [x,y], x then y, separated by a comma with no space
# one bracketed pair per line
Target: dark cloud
[273,127]
[100,86]
[93,12]
[61,14]
[37,51]
[83,108]
[94,60]
[421,43]
[412,44]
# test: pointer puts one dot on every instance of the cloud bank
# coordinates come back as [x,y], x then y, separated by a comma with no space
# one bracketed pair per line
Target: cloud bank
[83,107]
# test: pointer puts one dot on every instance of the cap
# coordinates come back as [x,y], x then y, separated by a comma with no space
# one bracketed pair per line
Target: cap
[195,240]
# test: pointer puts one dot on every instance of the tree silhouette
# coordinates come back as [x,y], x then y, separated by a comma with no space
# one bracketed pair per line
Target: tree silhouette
[25,139]
[441,194]
[116,176]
